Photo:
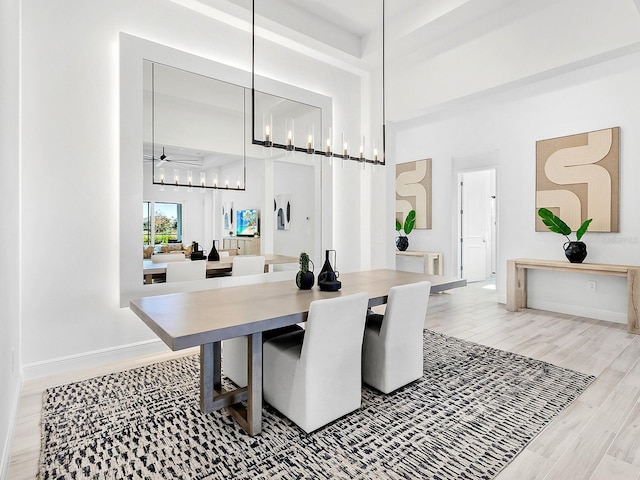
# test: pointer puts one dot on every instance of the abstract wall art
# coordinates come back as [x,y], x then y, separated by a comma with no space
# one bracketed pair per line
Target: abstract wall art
[282,211]
[227,217]
[414,191]
[578,177]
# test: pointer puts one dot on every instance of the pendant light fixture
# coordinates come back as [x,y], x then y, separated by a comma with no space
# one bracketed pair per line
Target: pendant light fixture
[344,150]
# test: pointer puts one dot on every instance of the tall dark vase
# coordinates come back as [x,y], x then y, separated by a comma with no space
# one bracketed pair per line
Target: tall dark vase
[214,256]
[576,252]
[328,278]
[402,243]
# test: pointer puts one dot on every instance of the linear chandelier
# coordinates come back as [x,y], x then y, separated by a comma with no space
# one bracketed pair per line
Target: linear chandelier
[376,158]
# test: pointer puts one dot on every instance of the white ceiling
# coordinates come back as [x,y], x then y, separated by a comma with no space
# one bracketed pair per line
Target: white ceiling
[358,16]
[437,51]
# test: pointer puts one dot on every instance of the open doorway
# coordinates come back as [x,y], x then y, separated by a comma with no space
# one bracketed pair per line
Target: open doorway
[477,221]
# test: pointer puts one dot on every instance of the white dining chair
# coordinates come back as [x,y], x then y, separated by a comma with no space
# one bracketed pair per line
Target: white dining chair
[392,353]
[234,350]
[187,270]
[223,254]
[167,257]
[313,376]
[247,265]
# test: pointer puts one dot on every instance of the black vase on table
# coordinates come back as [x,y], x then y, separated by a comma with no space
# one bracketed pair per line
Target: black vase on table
[305,278]
[328,277]
[214,256]
[402,243]
[576,252]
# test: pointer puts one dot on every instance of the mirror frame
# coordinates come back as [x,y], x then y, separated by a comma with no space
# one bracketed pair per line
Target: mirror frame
[133,51]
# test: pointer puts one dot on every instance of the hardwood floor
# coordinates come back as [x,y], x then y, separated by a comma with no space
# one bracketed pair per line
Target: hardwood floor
[597,437]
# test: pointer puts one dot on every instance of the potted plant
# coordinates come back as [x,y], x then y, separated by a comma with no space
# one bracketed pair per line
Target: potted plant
[304,277]
[576,251]
[402,242]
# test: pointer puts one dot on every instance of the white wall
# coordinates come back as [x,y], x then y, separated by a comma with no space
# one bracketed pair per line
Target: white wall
[501,130]
[10,351]
[71,138]
[295,181]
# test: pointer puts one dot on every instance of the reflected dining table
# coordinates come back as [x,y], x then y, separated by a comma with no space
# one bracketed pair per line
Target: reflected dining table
[225,264]
[205,318]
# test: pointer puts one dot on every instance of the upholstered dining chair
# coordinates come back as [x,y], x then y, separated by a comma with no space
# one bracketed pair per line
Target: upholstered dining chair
[247,265]
[392,353]
[313,376]
[234,350]
[187,270]
[167,257]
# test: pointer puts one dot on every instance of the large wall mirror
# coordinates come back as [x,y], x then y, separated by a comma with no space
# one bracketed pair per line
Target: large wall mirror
[196,129]
[286,123]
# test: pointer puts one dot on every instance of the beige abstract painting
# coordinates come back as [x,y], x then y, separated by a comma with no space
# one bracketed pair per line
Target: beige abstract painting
[413,192]
[578,177]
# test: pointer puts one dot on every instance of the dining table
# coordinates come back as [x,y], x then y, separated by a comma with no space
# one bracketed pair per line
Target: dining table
[205,318]
[224,265]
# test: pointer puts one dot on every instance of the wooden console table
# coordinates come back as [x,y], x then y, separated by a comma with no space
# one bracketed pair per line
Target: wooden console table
[432,261]
[517,282]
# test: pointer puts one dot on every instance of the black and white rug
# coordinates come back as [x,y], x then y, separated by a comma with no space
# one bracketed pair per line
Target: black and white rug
[473,411]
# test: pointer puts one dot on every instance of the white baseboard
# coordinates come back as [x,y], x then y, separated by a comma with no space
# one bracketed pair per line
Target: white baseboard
[8,441]
[588,312]
[96,358]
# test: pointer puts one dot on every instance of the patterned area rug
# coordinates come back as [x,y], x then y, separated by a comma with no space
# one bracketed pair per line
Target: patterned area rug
[473,411]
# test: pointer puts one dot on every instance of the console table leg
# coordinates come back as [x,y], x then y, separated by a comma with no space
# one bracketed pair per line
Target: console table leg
[516,287]
[633,308]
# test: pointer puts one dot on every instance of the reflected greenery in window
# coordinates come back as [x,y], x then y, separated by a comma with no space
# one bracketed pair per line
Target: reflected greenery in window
[165,223]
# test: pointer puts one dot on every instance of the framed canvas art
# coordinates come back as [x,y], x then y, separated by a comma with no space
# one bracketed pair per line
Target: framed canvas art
[578,177]
[414,192]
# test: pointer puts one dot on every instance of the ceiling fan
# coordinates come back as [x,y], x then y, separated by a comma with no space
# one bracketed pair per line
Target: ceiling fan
[195,161]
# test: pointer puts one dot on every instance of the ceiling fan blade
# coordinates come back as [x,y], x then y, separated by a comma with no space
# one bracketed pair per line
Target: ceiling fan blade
[186,162]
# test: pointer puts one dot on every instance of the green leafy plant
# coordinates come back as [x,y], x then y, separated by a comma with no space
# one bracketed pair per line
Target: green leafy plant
[556,225]
[409,222]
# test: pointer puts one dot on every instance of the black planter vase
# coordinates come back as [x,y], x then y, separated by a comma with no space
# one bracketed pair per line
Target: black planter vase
[305,280]
[214,256]
[576,252]
[402,243]
[305,277]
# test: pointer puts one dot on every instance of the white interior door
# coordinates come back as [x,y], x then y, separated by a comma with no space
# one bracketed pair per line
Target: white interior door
[477,220]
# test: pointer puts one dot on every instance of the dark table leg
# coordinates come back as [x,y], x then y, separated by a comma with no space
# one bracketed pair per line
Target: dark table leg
[214,397]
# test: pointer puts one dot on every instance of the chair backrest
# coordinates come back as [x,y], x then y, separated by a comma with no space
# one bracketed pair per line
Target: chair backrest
[167,257]
[404,316]
[223,254]
[187,270]
[334,332]
[247,265]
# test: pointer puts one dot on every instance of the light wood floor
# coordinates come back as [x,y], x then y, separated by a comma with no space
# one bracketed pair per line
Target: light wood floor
[597,437]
